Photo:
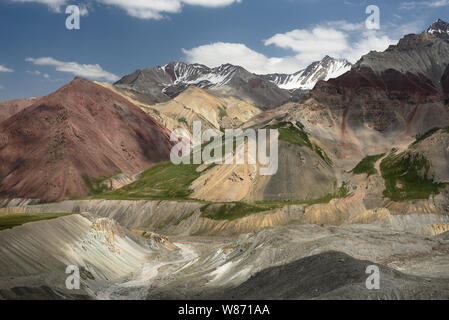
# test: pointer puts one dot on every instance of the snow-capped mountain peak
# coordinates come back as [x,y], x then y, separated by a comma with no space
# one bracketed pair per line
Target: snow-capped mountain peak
[306,79]
[440,29]
[193,74]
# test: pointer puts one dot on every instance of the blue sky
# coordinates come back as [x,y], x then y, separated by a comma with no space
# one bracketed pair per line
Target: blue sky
[117,37]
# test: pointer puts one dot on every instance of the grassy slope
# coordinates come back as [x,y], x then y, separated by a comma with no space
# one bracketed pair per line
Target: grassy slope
[406,177]
[297,135]
[166,181]
[97,186]
[367,165]
[162,181]
[235,210]
[8,221]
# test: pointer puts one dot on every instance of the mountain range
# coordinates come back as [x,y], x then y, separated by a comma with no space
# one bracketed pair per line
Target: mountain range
[362,181]
[160,84]
[50,145]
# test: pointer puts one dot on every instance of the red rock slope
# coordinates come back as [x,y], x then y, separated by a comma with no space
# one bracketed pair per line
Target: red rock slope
[10,108]
[81,129]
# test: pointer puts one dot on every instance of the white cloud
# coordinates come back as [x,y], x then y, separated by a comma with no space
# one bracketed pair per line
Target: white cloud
[415,26]
[142,9]
[339,39]
[56,5]
[333,39]
[90,71]
[4,69]
[38,73]
[370,41]
[154,9]
[429,4]
[311,45]
[218,53]
[1,87]
[53,4]
[83,10]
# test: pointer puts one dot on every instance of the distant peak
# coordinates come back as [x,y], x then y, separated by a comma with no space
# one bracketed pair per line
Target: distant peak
[438,26]
[77,78]
[328,58]
[439,29]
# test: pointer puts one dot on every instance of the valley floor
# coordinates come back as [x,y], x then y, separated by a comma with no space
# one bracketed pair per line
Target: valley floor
[293,260]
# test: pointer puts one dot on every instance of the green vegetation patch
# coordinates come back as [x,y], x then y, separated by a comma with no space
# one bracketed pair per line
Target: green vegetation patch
[344,191]
[234,210]
[367,165]
[222,113]
[162,181]
[406,177]
[183,120]
[290,133]
[9,221]
[97,186]
[296,134]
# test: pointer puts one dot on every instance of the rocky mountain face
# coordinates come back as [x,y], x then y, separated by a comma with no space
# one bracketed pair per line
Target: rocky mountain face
[170,80]
[10,108]
[195,104]
[439,29]
[59,145]
[385,101]
[160,84]
[424,55]
[306,79]
[401,90]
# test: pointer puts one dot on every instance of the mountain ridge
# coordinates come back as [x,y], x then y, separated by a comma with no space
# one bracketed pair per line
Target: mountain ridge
[162,83]
[307,78]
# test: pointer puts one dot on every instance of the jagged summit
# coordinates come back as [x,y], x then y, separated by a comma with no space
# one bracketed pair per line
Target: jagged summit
[440,29]
[176,76]
[424,55]
[159,84]
[306,79]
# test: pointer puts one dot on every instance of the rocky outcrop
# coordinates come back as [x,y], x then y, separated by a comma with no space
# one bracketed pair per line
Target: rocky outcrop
[424,55]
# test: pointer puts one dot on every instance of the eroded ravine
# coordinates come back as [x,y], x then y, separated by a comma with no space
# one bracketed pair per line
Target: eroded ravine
[137,288]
